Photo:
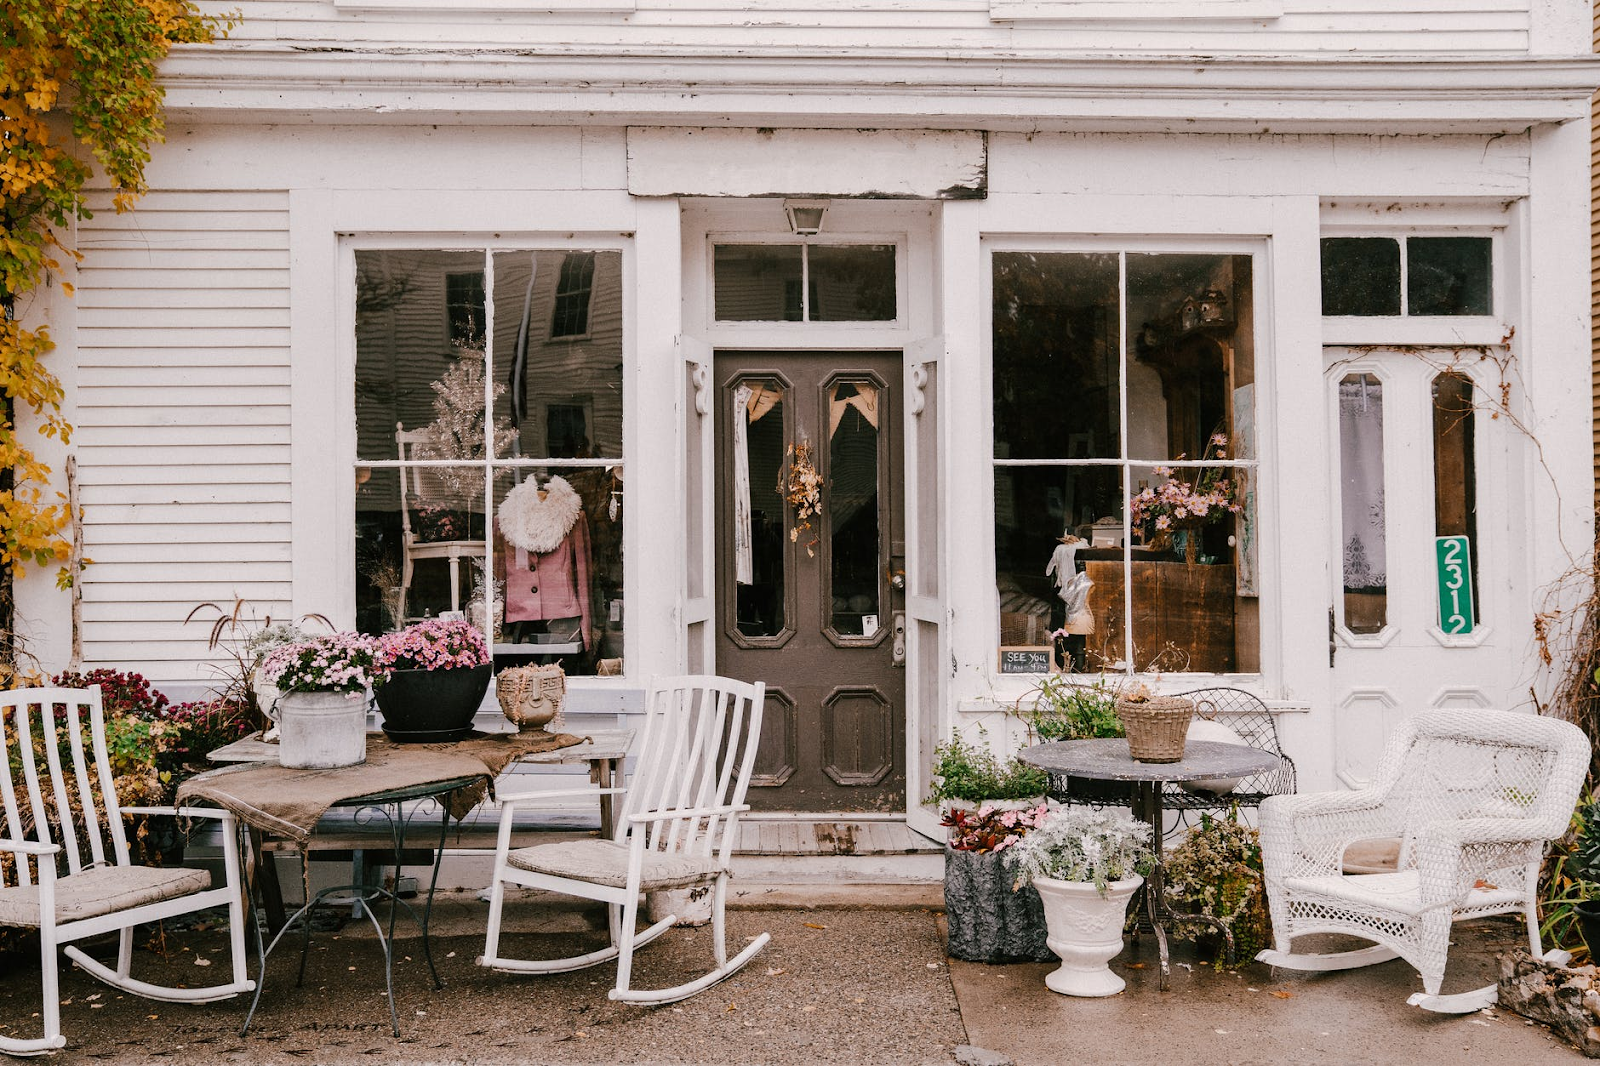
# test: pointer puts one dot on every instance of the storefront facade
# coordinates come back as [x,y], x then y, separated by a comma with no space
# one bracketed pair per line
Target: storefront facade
[830,373]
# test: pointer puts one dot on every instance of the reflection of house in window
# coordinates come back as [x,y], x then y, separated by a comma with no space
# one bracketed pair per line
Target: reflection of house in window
[571,315]
[463,301]
[566,431]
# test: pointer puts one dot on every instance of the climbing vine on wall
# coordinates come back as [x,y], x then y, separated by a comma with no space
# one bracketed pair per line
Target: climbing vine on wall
[74,74]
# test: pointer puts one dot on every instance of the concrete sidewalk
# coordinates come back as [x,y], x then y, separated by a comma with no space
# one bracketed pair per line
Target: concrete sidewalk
[842,982]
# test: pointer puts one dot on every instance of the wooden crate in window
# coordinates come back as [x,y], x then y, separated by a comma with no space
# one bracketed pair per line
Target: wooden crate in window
[1182,614]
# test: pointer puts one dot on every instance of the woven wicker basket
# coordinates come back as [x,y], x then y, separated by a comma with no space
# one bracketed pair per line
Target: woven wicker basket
[1156,727]
[531,695]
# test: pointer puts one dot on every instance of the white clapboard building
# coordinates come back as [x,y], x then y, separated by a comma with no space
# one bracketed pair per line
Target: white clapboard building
[843,320]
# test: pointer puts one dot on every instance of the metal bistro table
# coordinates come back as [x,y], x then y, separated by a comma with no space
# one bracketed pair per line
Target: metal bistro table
[1108,760]
[390,806]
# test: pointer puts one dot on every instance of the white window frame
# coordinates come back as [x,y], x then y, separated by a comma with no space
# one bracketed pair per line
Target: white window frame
[1009,686]
[347,459]
[804,326]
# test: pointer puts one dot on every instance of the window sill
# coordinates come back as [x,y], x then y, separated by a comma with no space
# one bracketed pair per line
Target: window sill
[596,7]
[1119,10]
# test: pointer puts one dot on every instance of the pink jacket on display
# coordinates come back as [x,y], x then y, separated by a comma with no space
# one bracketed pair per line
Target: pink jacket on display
[553,584]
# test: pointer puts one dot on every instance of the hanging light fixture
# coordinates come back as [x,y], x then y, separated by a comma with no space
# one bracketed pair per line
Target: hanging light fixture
[805,216]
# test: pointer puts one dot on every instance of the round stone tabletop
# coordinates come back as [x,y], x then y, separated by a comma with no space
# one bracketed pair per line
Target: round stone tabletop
[1108,760]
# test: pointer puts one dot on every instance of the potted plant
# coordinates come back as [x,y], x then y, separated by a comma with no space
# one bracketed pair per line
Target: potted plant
[1058,708]
[436,673]
[322,714]
[968,776]
[1215,875]
[1086,864]
[1187,500]
[986,920]
[1583,866]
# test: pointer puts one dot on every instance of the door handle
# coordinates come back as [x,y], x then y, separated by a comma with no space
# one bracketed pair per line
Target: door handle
[897,655]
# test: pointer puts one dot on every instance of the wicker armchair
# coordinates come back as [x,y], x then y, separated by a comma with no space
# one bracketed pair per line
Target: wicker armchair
[1472,796]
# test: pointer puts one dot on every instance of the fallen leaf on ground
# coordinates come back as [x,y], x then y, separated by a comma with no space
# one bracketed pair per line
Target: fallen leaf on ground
[1281,994]
[1135,965]
[773,971]
[813,925]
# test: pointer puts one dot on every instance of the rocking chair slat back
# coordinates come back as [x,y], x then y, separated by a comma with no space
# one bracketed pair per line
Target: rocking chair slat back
[79,799]
[697,752]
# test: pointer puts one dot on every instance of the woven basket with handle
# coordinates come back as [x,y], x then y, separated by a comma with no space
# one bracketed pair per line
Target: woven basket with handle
[1156,727]
[531,696]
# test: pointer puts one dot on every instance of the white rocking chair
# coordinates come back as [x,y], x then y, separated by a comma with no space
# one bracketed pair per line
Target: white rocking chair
[1472,797]
[676,831]
[98,893]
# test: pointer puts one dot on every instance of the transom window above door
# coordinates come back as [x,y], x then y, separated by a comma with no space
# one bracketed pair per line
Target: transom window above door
[1125,413]
[804,282]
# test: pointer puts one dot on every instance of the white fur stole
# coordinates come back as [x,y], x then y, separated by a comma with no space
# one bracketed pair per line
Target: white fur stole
[539,525]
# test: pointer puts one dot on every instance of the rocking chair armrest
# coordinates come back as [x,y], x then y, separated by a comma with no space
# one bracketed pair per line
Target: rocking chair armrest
[516,798]
[184,812]
[28,847]
[723,810]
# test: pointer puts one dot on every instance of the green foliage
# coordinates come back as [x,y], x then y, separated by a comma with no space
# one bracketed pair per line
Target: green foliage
[1064,710]
[972,773]
[1217,873]
[90,66]
[1568,878]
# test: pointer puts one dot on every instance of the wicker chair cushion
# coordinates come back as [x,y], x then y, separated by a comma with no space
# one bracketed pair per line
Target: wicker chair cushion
[101,890]
[605,862]
[1397,892]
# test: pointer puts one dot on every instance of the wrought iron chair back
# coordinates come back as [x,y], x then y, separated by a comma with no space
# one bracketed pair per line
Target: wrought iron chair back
[1247,715]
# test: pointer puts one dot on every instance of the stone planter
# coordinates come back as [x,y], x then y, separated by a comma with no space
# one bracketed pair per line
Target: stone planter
[432,706]
[988,922]
[1085,930]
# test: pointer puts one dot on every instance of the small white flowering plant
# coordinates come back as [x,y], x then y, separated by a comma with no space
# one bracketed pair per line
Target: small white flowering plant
[1084,845]
[340,662]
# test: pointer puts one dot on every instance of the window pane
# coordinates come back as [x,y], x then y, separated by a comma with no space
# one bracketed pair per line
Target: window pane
[1191,361]
[558,397]
[1361,492]
[1195,576]
[416,313]
[855,547]
[1056,368]
[1050,523]
[419,540]
[759,442]
[757,282]
[851,283]
[1360,276]
[1448,276]
[1455,475]
[557,569]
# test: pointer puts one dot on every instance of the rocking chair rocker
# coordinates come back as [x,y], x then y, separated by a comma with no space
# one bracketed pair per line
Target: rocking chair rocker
[676,831]
[99,893]
[1472,797]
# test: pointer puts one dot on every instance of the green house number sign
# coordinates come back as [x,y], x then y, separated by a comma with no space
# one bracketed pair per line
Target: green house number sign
[1454,557]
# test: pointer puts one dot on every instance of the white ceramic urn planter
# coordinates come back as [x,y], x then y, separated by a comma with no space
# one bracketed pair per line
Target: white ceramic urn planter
[1085,931]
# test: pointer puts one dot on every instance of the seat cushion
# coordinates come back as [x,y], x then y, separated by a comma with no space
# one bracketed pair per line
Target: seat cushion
[101,890]
[1399,892]
[605,862]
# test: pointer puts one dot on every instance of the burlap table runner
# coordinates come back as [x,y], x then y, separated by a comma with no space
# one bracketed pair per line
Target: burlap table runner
[287,802]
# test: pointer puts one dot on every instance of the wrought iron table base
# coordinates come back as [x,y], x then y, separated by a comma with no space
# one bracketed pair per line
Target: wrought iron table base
[388,806]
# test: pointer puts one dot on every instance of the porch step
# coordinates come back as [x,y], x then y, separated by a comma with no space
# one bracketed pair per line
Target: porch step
[827,836]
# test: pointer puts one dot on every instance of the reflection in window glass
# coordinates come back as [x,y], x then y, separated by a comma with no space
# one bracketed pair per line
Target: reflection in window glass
[1361,503]
[852,506]
[1360,276]
[1055,356]
[1068,469]
[1448,276]
[757,282]
[571,315]
[759,442]
[1455,475]
[431,353]
[851,283]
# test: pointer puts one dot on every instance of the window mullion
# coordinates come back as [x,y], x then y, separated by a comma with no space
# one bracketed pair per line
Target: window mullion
[1129,665]
[488,441]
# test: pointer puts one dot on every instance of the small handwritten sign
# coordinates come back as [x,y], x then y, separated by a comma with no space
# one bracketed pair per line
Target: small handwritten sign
[1026,659]
[1454,555]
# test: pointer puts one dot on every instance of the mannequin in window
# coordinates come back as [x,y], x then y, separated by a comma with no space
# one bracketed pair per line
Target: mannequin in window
[545,562]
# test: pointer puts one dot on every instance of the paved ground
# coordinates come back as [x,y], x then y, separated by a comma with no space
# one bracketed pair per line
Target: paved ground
[847,986]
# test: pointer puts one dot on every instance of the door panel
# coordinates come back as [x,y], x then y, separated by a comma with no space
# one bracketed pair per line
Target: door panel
[805,600]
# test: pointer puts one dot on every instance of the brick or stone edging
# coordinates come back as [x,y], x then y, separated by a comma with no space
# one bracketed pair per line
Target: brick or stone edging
[1563,998]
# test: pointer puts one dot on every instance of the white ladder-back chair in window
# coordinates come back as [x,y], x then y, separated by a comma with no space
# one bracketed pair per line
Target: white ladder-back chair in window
[419,485]
[1472,797]
[677,830]
[64,789]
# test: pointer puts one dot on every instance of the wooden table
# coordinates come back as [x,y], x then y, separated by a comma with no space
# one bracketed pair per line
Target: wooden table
[603,749]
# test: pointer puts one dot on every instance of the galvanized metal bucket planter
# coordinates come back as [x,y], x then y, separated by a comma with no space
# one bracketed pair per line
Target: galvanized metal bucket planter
[322,730]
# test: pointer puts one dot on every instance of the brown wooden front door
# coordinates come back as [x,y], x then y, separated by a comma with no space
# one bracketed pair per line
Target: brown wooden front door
[808,602]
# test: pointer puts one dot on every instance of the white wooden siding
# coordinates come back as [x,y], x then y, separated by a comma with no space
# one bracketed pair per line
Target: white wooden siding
[1306,26]
[182,421]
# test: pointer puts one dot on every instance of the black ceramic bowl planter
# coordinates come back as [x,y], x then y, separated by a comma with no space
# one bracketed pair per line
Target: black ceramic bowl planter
[432,706]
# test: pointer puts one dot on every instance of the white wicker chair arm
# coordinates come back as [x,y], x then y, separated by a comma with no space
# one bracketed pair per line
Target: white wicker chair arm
[28,847]
[1306,835]
[1453,857]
